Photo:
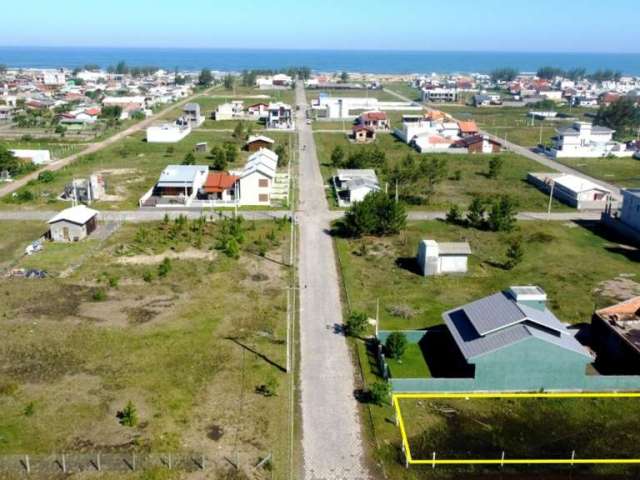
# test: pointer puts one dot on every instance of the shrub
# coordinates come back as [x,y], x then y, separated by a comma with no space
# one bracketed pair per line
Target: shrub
[147,276]
[46,176]
[164,268]
[396,345]
[495,167]
[128,416]
[454,215]
[379,393]
[502,217]
[29,409]
[476,213]
[356,324]
[99,295]
[269,388]
[515,254]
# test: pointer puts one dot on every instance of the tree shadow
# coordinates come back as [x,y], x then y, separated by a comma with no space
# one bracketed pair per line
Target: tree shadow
[621,245]
[410,264]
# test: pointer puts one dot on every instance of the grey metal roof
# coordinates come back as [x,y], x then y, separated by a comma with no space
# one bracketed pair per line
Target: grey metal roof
[498,321]
[177,175]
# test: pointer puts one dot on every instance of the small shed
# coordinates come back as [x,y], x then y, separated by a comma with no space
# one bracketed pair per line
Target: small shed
[362,134]
[436,258]
[202,147]
[73,224]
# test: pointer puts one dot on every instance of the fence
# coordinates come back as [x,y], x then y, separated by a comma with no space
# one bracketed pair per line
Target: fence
[70,463]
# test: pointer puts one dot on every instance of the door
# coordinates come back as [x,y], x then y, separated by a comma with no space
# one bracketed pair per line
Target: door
[65,233]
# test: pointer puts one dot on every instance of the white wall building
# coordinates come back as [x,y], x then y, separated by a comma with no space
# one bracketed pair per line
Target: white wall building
[257,178]
[168,132]
[37,157]
[584,140]
[353,185]
[436,258]
[73,224]
[575,191]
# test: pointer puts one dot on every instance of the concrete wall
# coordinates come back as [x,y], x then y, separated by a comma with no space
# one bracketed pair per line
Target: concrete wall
[250,189]
[75,232]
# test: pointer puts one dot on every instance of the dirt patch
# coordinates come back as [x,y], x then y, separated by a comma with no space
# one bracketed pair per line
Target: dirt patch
[61,306]
[621,288]
[263,272]
[118,171]
[189,254]
[122,312]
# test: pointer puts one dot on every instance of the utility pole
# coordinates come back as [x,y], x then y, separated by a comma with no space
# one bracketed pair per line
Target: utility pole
[553,184]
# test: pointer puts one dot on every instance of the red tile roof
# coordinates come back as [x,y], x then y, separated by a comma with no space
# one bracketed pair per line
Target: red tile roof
[219,182]
[375,116]
[468,127]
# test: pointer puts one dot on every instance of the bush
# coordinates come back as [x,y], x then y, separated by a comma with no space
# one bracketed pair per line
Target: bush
[25,196]
[378,214]
[29,409]
[147,276]
[495,167]
[99,295]
[502,217]
[164,268]
[379,393]
[454,215]
[128,416]
[46,176]
[269,388]
[356,324]
[476,213]
[396,345]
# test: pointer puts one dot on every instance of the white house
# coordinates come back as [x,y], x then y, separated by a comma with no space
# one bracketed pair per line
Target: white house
[440,94]
[168,132]
[280,116]
[256,180]
[350,107]
[435,258]
[229,110]
[584,140]
[178,185]
[191,112]
[37,157]
[630,213]
[73,224]
[577,192]
[353,185]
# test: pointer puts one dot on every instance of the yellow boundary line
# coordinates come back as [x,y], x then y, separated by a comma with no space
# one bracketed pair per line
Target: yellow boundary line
[501,461]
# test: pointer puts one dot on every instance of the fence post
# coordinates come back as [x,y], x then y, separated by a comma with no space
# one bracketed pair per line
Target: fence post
[502,460]
[98,465]
[573,457]
[170,462]
[27,465]
[433,465]
[202,464]
[64,463]
[133,462]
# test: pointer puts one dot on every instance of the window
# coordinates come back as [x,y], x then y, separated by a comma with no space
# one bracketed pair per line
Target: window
[263,183]
[263,198]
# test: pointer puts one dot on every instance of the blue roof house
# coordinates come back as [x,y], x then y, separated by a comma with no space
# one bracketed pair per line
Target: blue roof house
[514,342]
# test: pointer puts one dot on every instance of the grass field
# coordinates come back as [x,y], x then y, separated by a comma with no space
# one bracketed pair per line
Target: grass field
[130,167]
[555,255]
[381,95]
[403,88]
[624,172]
[473,178]
[189,349]
[513,124]
[522,428]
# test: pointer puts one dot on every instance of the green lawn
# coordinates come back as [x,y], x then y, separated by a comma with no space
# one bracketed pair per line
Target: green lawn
[189,349]
[411,365]
[624,172]
[404,89]
[130,167]
[473,179]
[381,95]
[15,237]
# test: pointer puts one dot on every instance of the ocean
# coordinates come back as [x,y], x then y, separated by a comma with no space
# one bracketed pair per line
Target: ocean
[235,60]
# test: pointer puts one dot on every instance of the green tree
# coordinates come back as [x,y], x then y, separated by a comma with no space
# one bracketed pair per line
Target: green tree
[205,78]
[283,155]
[337,156]
[454,215]
[111,112]
[344,77]
[189,159]
[504,74]
[230,152]
[476,212]
[434,171]
[549,73]
[356,324]
[122,68]
[238,132]
[396,345]
[623,116]
[495,167]
[219,158]
[229,81]
[515,254]
[502,216]
[377,214]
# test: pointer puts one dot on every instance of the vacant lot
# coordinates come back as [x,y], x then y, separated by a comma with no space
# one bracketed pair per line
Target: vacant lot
[196,343]
[130,168]
[466,174]
[556,255]
[513,123]
[523,428]
[624,172]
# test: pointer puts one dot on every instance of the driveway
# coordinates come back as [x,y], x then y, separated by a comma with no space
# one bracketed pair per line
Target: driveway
[331,432]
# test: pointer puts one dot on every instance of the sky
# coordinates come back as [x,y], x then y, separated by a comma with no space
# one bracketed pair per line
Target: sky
[461,25]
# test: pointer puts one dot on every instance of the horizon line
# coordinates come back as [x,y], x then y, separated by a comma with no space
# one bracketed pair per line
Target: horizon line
[316,49]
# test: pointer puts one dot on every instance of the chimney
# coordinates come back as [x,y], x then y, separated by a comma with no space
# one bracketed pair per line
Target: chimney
[531,296]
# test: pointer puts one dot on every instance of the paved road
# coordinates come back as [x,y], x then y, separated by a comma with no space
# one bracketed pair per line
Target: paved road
[141,216]
[541,159]
[95,147]
[331,432]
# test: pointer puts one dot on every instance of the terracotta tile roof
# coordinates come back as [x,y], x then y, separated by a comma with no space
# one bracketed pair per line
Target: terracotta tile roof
[375,116]
[219,182]
[468,127]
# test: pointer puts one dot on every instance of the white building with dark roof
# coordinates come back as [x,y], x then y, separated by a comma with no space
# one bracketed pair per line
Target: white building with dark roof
[439,258]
